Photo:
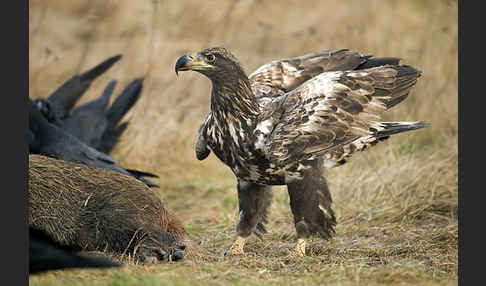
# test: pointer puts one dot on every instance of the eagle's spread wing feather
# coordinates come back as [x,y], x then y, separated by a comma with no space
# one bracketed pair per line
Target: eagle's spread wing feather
[280,76]
[333,114]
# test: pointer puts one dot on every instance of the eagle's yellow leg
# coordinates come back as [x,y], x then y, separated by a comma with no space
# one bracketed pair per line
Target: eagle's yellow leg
[237,247]
[299,249]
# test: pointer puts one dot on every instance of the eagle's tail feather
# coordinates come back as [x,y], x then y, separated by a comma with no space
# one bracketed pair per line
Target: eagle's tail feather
[382,131]
[390,128]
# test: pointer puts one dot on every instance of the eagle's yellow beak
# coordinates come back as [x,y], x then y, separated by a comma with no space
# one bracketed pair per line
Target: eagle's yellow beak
[192,61]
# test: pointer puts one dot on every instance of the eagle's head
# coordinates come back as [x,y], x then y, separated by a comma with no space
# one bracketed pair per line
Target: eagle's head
[215,63]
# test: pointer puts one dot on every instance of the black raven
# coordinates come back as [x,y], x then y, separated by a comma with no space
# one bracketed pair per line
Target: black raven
[97,125]
[49,140]
[88,122]
[62,100]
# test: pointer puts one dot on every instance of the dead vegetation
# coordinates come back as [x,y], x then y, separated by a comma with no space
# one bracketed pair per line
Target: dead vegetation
[396,204]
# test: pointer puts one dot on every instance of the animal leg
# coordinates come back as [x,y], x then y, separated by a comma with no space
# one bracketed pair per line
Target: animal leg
[310,201]
[253,200]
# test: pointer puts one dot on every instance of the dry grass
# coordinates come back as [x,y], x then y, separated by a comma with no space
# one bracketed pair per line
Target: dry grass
[396,204]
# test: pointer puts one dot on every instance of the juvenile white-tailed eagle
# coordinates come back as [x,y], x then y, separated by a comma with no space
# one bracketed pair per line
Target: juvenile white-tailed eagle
[289,120]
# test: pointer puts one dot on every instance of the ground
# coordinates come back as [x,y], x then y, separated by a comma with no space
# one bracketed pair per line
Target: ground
[396,204]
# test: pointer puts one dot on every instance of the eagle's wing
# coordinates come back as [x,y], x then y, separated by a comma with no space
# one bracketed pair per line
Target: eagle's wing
[280,76]
[202,150]
[334,114]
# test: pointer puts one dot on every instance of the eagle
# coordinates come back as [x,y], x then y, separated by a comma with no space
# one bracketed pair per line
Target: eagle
[291,119]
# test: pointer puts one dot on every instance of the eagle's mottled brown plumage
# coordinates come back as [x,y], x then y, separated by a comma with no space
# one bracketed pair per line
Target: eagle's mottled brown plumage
[291,118]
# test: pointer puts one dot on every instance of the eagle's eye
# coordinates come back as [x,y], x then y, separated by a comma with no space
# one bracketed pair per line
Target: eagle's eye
[210,58]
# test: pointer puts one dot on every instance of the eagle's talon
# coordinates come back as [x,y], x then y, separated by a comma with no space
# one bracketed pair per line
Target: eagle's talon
[232,252]
[236,248]
[299,249]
